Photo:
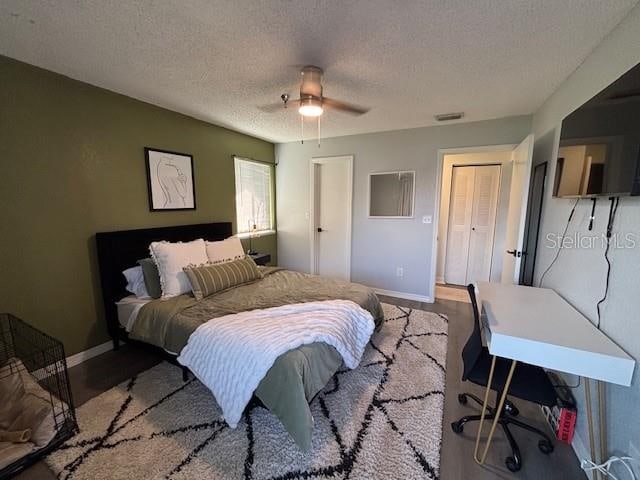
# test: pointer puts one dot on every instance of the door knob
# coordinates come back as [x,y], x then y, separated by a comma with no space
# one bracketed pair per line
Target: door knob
[319,229]
[512,252]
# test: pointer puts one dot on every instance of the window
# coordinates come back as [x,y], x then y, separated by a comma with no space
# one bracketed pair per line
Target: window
[254,195]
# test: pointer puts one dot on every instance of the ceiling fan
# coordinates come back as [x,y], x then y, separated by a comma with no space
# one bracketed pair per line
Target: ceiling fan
[312,102]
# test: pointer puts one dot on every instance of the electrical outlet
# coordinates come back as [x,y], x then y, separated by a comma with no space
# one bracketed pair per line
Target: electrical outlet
[427,219]
[399,272]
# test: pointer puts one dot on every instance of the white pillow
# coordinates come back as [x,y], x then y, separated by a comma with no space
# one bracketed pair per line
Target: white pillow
[171,258]
[225,250]
[135,282]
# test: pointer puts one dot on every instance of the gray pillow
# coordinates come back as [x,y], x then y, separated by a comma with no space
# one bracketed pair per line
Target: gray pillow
[151,277]
[209,279]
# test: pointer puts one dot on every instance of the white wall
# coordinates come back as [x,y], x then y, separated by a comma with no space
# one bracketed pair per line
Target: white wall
[476,158]
[379,246]
[579,274]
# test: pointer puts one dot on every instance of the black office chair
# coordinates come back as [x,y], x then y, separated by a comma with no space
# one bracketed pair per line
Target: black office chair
[528,383]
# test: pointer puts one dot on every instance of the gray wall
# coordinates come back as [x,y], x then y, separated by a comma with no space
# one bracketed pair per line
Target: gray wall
[579,274]
[379,246]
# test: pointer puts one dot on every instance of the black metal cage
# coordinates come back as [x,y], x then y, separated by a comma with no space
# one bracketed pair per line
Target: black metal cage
[25,350]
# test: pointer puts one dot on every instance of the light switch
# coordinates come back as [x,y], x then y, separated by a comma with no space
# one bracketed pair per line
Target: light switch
[427,219]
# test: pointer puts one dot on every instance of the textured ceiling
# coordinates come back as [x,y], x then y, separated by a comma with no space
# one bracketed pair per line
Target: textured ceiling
[407,60]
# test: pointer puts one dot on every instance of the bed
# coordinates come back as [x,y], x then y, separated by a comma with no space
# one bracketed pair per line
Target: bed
[296,376]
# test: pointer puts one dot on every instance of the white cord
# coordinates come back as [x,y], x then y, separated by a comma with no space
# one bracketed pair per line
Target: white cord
[588,466]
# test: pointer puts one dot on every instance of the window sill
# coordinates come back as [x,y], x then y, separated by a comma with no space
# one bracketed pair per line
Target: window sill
[256,234]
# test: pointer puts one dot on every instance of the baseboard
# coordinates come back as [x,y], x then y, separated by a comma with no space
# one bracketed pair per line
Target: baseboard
[406,296]
[85,355]
[440,280]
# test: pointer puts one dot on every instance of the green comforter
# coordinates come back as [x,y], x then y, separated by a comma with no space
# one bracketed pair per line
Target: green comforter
[296,376]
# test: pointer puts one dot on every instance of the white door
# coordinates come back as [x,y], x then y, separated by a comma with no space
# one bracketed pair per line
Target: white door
[460,209]
[517,213]
[472,217]
[483,222]
[331,225]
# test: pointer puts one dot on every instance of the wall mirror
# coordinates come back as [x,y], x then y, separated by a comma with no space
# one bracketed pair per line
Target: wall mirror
[391,194]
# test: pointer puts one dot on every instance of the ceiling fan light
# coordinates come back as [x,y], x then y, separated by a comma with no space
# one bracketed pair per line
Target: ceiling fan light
[310,107]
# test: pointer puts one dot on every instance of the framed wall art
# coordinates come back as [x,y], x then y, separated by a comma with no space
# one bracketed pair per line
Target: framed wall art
[170,180]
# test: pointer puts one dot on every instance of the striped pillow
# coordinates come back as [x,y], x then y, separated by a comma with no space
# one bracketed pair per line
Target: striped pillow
[208,279]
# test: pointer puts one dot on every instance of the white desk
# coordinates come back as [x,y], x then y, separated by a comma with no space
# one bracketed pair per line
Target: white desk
[538,327]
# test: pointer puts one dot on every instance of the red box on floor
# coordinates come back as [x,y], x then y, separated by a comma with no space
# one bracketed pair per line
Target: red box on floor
[566,425]
[562,421]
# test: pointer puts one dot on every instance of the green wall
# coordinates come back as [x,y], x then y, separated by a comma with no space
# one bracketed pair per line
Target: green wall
[71,165]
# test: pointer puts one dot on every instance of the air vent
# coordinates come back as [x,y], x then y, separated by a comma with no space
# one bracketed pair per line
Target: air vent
[445,117]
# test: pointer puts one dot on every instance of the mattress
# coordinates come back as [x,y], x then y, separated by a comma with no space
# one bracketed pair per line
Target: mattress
[128,309]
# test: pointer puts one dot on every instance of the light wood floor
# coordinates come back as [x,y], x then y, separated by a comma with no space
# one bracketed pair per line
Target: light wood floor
[452,292]
[97,375]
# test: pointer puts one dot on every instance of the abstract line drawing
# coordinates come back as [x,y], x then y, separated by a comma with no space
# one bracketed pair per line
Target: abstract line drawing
[170,180]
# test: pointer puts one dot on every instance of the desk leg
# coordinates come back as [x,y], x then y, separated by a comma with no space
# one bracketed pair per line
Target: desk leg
[498,410]
[484,409]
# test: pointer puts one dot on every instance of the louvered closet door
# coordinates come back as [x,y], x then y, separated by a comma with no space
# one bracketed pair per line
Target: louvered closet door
[460,211]
[483,221]
[472,216]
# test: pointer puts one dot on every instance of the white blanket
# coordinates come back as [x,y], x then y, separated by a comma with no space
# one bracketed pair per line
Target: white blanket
[232,354]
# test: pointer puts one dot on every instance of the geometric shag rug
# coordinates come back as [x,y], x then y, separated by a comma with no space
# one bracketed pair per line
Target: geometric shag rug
[382,420]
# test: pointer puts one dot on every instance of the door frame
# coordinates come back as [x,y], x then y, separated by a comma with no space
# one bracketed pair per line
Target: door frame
[442,152]
[313,162]
[528,232]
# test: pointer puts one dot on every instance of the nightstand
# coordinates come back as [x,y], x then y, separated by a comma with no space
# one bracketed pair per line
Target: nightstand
[261,258]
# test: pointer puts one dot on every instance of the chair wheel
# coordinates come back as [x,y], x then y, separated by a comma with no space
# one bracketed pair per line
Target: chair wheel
[462,399]
[512,410]
[512,464]
[545,446]
[457,427]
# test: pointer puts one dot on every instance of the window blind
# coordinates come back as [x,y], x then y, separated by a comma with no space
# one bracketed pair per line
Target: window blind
[254,195]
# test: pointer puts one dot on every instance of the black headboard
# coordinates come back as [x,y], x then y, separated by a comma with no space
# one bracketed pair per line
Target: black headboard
[118,251]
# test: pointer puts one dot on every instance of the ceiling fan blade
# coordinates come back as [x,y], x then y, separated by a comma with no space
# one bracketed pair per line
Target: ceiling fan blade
[276,107]
[344,107]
